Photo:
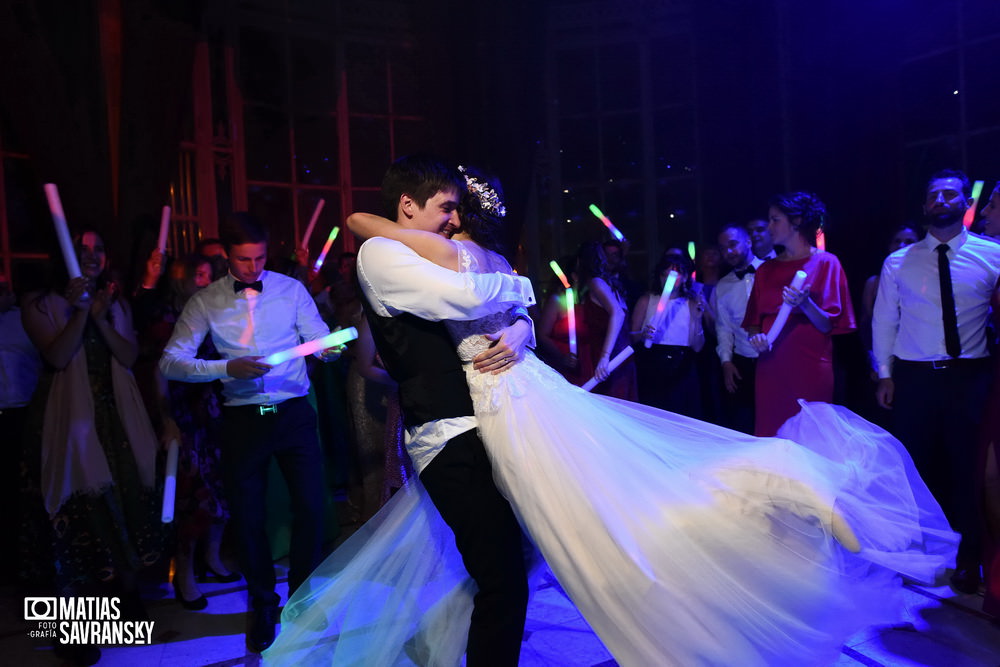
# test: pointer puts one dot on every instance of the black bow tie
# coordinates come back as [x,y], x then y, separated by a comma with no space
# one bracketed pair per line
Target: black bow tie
[740,275]
[239,286]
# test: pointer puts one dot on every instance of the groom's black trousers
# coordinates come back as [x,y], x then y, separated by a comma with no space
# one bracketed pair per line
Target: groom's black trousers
[460,482]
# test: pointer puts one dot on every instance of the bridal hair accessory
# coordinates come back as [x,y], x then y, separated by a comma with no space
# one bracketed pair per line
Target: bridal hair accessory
[488,197]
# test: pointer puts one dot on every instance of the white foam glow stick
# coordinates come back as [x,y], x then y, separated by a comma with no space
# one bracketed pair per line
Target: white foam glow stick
[330,340]
[612,365]
[170,483]
[779,322]
[312,222]
[161,241]
[661,305]
[62,231]
[326,248]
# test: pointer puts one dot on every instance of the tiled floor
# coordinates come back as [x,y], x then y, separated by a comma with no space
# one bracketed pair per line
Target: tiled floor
[938,628]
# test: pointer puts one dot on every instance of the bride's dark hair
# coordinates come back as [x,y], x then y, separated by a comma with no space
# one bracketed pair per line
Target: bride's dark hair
[482,210]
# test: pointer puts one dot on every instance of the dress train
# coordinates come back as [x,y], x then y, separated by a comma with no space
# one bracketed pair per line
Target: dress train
[746,571]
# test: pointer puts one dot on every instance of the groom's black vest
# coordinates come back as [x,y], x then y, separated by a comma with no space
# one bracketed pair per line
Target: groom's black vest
[420,356]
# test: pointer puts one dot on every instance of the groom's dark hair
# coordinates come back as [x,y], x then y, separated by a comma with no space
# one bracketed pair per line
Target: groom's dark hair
[421,177]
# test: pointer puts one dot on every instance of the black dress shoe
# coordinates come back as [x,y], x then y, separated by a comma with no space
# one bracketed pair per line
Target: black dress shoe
[261,634]
[133,608]
[209,573]
[197,604]
[966,580]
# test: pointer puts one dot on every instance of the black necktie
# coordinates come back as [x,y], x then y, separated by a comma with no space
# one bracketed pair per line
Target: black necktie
[740,275]
[239,286]
[952,343]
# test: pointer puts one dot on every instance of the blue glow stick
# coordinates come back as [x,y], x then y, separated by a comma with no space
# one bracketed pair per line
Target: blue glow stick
[330,340]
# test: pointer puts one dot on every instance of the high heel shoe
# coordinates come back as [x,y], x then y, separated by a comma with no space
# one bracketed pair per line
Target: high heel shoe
[197,604]
[206,573]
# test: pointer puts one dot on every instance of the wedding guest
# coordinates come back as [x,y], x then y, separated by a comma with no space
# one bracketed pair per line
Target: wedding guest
[90,458]
[929,340]
[666,371]
[191,414]
[605,315]
[19,370]
[251,313]
[737,356]
[799,364]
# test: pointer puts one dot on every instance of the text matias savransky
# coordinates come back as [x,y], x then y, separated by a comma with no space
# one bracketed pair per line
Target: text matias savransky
[85,620]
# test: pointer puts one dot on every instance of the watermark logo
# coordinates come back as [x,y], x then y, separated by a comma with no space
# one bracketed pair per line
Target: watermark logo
[41,609]
[84,620]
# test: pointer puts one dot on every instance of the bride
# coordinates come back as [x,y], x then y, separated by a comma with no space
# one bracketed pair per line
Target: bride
[680,542]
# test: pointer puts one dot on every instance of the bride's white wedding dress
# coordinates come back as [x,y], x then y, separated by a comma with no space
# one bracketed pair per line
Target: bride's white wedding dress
[680,542]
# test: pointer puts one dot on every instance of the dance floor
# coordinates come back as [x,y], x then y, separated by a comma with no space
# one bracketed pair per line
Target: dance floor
[938,628]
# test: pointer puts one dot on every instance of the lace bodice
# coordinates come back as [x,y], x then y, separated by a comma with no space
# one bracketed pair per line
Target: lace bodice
[469,335]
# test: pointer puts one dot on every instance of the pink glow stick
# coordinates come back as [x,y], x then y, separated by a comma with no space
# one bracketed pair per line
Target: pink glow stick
[161,242]
[571,319]
[62,231]
[330,340]
[779,321]
[326,248]
[612,365]
[312,222]
[661,305]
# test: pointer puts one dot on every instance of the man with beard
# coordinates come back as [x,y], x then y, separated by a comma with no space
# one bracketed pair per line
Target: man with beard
[929,340]
[729,302]
[760,239]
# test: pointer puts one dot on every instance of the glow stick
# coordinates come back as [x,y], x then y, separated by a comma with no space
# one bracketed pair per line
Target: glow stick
[821,240]
[612,365]
[333,339]
[571,318]
[312,222]
[661,305]
[607,222]
[559,272]
[62,231]
[170,483]
[161,242]
[970,213]
[570,305]
[785,310]
[326,248]
[691,250]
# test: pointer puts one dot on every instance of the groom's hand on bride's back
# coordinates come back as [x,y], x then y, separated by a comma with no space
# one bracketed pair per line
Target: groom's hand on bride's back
[507,349]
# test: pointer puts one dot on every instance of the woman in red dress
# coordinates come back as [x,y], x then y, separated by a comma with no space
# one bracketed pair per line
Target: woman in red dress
[799,365]
[604,322]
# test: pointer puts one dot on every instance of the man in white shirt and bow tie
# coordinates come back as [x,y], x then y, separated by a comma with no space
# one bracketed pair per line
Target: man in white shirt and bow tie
[251,313]
[729,301]
[929,341]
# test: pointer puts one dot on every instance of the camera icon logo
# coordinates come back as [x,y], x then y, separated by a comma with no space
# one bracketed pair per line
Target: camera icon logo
[40,609]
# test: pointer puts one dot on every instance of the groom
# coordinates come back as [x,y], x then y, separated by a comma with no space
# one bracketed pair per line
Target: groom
[407,298]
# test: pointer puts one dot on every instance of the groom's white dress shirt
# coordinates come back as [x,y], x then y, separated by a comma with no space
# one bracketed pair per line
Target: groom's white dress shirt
[397,280]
